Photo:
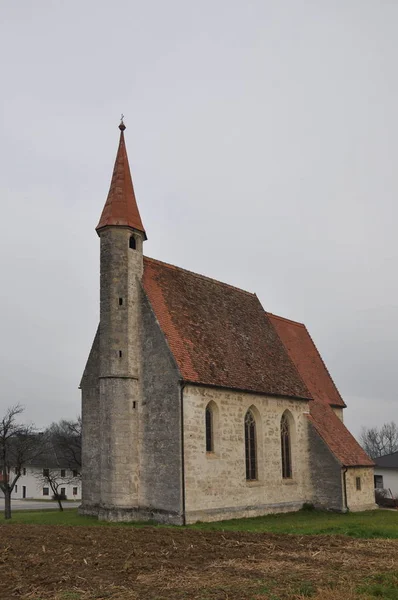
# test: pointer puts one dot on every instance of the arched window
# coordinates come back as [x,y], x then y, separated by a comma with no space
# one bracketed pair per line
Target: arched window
[250,446]
[286,448]
[209,430]
[132,243]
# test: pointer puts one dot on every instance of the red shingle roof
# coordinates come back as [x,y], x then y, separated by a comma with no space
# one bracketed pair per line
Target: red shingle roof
[307,359]
[337,437]
[312,369]
[121,206]
[219,335]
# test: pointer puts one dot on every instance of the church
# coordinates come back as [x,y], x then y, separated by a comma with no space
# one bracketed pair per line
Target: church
[198,404]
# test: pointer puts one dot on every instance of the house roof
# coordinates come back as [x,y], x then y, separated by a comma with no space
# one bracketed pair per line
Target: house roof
[47,453]
[307,359]
[219,334]
[389,461]
[53,457]
[337,437]
[121,206]
[313,371]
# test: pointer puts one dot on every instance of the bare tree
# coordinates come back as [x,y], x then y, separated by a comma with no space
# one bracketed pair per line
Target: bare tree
[19,444]
[53,478]
[379,441]
[66,437]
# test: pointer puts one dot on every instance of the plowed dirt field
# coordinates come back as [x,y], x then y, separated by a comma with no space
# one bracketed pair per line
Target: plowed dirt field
[39,562]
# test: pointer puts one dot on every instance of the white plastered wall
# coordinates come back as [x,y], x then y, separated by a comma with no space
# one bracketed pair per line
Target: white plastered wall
[390,479]
[34,486]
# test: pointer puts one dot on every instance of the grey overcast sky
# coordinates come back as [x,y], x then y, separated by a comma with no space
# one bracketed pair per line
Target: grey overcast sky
[262,138]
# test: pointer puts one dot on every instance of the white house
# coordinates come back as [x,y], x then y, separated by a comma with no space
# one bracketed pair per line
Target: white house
[386,473]
[31,486]
[63,468]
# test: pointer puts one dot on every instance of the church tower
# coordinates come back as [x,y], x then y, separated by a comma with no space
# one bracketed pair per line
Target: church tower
[121,235]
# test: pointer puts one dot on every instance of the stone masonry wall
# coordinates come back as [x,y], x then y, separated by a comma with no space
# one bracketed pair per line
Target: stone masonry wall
[91,473]
[160,423]
[363,499]
[215,483]
[120,366]
[326,474]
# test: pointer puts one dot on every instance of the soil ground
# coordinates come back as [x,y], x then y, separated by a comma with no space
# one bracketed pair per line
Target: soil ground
[39,562]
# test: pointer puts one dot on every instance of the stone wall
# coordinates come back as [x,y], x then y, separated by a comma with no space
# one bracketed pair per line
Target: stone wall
[110,404]
[91,471]
[160,424]
[364,498]
[326,474]
[216,485]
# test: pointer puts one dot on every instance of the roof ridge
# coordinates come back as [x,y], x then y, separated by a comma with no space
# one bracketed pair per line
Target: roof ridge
[285,319]
[199,276]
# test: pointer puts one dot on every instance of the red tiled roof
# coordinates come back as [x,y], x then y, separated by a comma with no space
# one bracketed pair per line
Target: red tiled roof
[337,437]
[312,369]
[121,206]
[219,335]
[307,359]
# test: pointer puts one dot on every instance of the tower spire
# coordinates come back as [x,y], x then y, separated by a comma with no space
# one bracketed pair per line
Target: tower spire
[121,206]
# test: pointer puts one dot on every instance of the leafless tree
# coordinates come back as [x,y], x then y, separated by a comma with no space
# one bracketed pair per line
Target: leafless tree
[66,437]
[19,444]
[53,478]
[379,441]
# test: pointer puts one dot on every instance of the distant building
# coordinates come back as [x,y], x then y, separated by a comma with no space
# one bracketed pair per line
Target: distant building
[196,403]
[386,473]
[30,485]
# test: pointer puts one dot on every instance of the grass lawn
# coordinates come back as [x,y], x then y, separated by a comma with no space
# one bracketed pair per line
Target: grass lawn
[371,524]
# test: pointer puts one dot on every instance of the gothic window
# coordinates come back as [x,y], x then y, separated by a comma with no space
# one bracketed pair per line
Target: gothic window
[209,430]
[286,448]
[250,446]
[132,243]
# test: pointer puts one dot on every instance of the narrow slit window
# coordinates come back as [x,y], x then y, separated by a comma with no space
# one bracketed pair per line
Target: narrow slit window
[250,446]
[120,354]
[286,449]
[120,301]
[132,243]
[358,484]
[209,430]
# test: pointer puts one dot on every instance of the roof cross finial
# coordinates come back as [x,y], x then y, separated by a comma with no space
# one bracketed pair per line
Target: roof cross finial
[122,126]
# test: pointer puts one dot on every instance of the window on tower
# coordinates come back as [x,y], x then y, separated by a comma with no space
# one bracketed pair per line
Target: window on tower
[132,243]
